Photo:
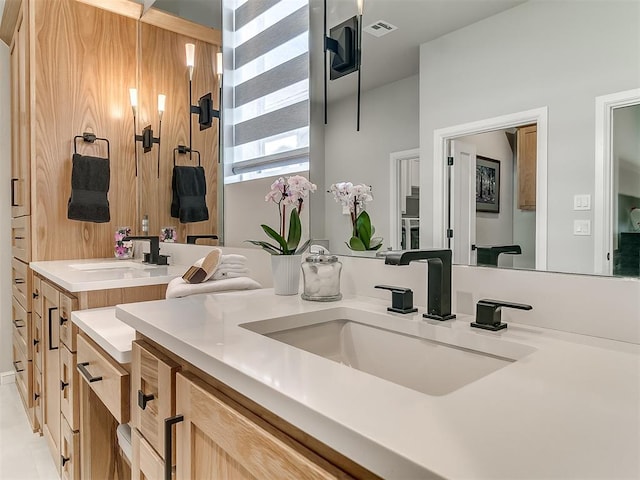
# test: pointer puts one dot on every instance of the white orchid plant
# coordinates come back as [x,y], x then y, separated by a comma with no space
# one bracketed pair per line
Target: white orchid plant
[287,193]
[354,199]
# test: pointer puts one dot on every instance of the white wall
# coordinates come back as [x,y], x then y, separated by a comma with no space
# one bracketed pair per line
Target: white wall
[5,211]
[389,123]
[560,54]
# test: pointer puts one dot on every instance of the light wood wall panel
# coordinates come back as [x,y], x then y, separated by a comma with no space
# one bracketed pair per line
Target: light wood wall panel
[85,62]
[163,70]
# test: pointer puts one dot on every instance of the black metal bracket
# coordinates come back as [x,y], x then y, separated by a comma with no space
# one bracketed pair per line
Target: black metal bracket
[205,111]
[147,139]
[183,150]
[87,137]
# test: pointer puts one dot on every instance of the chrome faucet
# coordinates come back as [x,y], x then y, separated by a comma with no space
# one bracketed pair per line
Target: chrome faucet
[438,279]
[153,256]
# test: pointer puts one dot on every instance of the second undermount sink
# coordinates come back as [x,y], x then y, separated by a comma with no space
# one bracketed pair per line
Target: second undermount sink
[426,358]
[112,265]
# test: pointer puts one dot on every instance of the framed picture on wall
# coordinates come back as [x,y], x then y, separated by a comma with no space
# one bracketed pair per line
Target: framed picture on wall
[487,185]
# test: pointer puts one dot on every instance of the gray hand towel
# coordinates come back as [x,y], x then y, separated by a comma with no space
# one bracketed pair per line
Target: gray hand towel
[89,186]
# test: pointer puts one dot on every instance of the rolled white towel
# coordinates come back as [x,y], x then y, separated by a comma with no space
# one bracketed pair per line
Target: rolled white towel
[232,268]
[178,287]
[233,258]
[220,275]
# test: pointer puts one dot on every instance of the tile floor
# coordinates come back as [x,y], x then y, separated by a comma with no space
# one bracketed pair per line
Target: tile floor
[23,454]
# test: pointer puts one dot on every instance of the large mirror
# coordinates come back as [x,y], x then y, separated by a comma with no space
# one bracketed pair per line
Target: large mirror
[166,27]
[508,89]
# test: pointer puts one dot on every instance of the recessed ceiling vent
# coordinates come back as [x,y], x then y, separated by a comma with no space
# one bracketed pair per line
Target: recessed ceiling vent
[379,28]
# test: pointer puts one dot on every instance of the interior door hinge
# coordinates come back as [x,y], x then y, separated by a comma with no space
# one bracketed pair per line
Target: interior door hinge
[608,256]
[449,233]
[450,161]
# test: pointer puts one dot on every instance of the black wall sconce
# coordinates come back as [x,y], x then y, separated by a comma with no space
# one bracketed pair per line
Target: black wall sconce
[343,44]
[147,139]
[204,109]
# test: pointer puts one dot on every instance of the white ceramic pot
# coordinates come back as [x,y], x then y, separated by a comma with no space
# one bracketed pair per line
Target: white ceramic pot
[286,273]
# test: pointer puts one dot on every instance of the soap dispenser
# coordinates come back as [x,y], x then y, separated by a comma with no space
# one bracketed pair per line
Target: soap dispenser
[321,276]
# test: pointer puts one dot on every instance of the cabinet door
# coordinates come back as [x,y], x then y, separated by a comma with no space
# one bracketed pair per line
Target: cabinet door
[51,369]
[69,452]
[220,439]
[21,283]
[22,327]
[527,167]
[68,330]
[24,374]
[146,464]
[21,238]
[69,400]
[38,341]
[153,377]
[37,400]
[36,297]
[20,153]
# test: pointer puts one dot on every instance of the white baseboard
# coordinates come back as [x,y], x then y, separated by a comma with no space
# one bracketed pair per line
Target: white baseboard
[7,377]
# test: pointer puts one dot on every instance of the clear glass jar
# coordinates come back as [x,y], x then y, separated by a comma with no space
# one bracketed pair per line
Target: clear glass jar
[321,275]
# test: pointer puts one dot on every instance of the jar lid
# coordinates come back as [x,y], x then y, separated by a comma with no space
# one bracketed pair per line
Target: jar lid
[320,258]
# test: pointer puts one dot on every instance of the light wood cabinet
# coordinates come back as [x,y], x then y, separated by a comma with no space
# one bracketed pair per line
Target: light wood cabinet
[24,375]
[22,328]
[153,377]
[38,399]
[69,403]
[146,464]
[220,439]
[68,330]
[21,238]
[527,166]
[51,369]
[21,283]
[69,451]
[20,116]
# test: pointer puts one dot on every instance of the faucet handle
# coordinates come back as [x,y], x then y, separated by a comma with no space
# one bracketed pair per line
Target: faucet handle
[401,299]
[489,313]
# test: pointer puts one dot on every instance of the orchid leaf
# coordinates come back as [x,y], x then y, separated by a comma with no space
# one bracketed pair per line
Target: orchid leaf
[376,242]
[295,230]
[356,244]
[363,227]
[277,237]
[304,246]
[266,246]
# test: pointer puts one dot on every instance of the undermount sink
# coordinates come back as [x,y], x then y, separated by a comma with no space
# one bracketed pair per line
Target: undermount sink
[424,357]
[113,265]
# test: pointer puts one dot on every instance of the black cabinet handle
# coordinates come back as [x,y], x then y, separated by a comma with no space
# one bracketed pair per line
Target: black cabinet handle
[63,385]
[15,322]
[35,342]
[143,399]
[51,309]
[18,238]
[82,368]
[168,443]
[18,281]
[36,396]
[13,192]
[15,365]
[35,294]
[64,460]
[63,320]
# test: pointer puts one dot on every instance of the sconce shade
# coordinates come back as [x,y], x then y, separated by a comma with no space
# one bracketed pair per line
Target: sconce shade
[219,64]
[342,43]
[161,103]
[133,97]
[190,50]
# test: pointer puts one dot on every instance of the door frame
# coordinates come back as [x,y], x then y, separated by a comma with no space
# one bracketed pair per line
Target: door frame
[602,199]
[441,137]
[394,192]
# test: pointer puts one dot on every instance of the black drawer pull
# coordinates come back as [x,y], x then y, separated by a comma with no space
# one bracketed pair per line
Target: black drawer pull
[63,385]
[168,443]
[36,396]
[13,192]
[35,342]
[51,309]
[19,238]
[35,294]
[18,281]
[15,365]
[63,321]
[15,322]
[64,460]
[82,368]
[143,399]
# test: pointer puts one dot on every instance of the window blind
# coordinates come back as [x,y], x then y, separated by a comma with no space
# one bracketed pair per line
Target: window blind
[269,115]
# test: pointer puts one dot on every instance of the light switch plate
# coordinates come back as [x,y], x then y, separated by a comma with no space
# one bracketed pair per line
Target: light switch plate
[582,227]
[582,202]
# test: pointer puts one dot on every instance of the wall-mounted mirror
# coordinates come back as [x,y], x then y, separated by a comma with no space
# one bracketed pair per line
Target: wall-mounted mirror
[479,74]
[166,27]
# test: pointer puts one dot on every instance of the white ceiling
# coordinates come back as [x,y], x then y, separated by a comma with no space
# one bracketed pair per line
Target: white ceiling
[396,55]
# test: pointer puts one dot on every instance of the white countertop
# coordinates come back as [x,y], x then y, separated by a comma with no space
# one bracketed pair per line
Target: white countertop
[571,409]
[106,330]
[82,279]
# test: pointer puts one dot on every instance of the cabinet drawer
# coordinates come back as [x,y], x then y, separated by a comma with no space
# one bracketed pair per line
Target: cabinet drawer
[36,296]
[24,373]
[105,377]
[69,388]
[22,328]
[38,340]
[37,400]
[69,451]
[21,283]
[21,238]
[68,330]
[153,377]
[146,464]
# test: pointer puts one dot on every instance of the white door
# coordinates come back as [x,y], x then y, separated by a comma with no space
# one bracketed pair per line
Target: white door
[463,202]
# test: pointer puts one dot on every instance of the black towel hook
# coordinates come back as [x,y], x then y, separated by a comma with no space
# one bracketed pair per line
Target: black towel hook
[88,137]
[183,150]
